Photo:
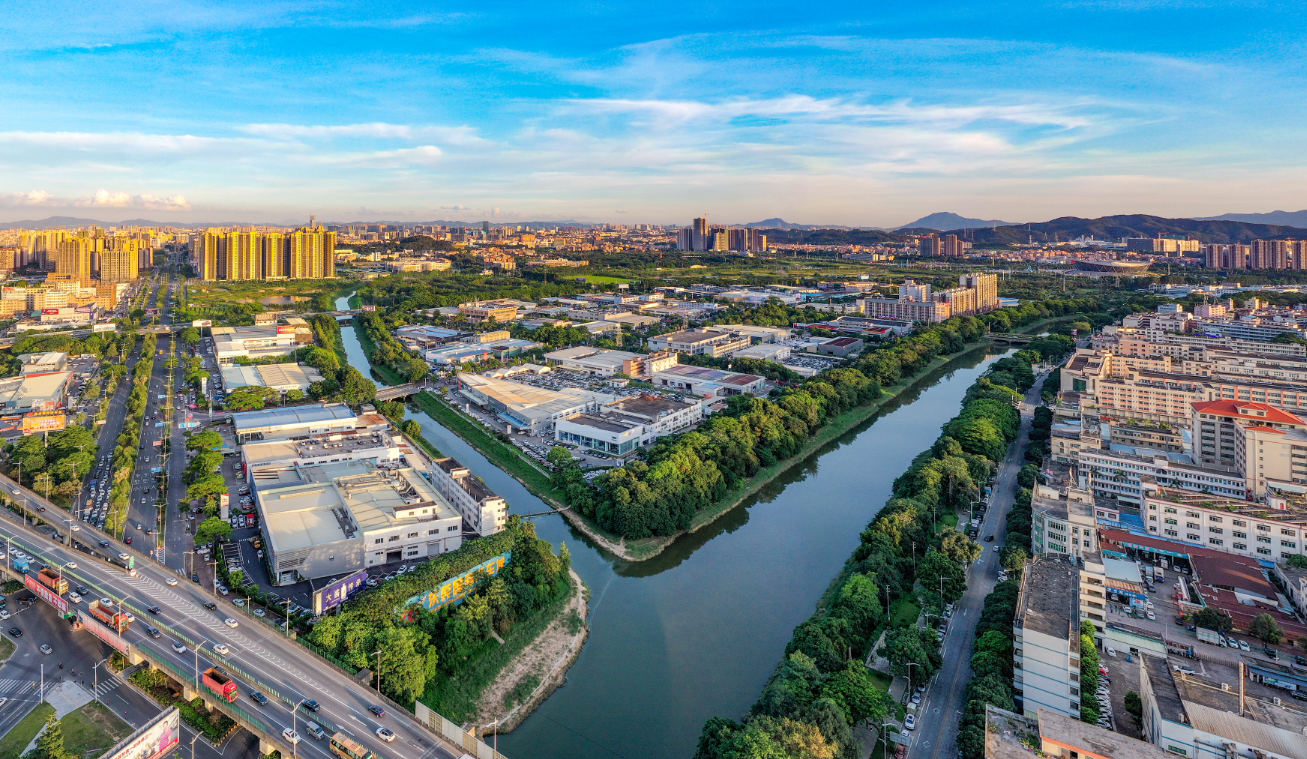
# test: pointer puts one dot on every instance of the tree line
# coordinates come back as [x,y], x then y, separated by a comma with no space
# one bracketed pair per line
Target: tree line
[822,689]
[685,473]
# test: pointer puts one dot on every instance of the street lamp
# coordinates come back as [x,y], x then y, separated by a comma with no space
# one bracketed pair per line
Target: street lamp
[378,655]
[95,677]
[294,725]
[910,664]
[884,739]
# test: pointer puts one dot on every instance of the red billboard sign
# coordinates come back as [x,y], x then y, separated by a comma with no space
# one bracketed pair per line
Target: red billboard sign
[50,311]
[286,329]
[47,595]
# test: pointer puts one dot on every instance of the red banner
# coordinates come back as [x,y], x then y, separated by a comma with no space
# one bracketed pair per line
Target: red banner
[97,628]
[49,596]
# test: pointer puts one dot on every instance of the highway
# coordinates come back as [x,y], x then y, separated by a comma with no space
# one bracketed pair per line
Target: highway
[941,709]
[260,658]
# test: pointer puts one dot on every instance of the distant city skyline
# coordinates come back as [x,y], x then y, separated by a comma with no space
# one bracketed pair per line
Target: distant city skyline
[854,116]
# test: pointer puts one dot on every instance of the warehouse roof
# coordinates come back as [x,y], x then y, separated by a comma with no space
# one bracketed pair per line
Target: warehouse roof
[294,415]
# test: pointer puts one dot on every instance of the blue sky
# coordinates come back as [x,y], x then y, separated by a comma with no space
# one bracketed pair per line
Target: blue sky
[867,113]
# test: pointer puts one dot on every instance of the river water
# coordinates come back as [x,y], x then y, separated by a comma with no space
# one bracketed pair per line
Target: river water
[695,632]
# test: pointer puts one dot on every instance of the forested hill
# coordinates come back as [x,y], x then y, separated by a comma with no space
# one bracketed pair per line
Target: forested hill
[1113,228]
[829,236]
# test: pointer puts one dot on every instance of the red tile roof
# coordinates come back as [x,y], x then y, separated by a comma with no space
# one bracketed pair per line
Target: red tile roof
[1239,409]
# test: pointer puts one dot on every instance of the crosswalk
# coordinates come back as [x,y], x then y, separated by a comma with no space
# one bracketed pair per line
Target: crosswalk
[17,689]
[106,685]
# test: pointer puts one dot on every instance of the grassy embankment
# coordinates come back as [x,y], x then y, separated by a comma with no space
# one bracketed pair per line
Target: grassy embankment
[14,741]
[388,375]
[457,697]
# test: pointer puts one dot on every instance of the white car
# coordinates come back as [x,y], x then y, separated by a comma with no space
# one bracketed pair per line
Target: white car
[385,734]
[171,580]
[1111,651]
[230,622]
[291,736]
[71,565]
[45,649]
[75,597]
[910,722]
[4,614]
[219,648]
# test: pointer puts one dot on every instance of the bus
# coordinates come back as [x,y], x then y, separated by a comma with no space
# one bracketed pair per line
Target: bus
[346,747]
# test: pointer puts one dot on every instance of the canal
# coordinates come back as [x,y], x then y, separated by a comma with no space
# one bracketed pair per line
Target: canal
[695,632]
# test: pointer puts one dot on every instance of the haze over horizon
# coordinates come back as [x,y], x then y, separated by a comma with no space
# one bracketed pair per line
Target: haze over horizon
[868,116]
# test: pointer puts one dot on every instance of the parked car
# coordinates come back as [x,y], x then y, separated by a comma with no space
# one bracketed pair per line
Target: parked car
[910,722]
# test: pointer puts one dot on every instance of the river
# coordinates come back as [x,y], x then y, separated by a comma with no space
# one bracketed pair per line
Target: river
[695,632]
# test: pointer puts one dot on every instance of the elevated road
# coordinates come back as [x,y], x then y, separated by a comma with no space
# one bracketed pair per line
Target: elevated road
[259,656]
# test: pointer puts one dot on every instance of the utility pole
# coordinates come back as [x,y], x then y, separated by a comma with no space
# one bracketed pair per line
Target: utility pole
[378,655]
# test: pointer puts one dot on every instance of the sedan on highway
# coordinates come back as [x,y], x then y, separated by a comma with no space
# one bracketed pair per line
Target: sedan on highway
[179,647]
[230,622]
[219,648]
[385,734]
[171,581]
[291,736]
[258,697]
[14,631]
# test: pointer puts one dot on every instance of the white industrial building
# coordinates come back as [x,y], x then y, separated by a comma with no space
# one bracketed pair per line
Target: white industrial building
[1046,638]
[525,407]
[335,518]
[484,512]
[628,423]
[293,421]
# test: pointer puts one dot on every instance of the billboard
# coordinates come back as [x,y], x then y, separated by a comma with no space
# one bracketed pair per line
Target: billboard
[202,323]
[156,739]
[104,327]
[453,590]
[44,421]
[105,634]
[339,591]
[285,329]
[367,308]
[50,311]
[47,595]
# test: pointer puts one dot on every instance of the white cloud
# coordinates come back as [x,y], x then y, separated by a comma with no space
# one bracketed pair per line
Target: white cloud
[455,208]
[105,199]
[30,198]
[460,135]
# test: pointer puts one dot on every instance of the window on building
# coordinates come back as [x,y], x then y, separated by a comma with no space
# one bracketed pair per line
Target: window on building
[377,542]
[452,528]
[393,538]
[1241,546]
[432,532]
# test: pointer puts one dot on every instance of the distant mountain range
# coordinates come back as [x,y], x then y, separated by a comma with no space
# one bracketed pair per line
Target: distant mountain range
[1285,218]
[943,220]
[1113,228]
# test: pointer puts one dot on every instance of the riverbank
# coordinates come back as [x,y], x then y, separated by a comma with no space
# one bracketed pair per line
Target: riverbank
[539,669]
[387,375]
[507,458]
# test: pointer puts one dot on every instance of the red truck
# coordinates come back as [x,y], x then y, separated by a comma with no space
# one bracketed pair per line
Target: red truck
[219,682]
[51,579]
[113,619]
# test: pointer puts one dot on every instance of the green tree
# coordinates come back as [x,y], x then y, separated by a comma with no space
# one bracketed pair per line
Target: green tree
[856,694]
[1297,560]
[1135,706]
[859,602]
[50,744]
[1213,619]
[294,396]
[211,529]
[190,335]
[407,661]
[212,485]
[1013,558]
[560,457]
[937,571]
[960,548]
[1266,629]
[204,441]
[913,645]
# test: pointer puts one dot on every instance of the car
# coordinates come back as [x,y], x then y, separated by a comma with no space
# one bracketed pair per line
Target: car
[1111,651]
[258,697]
[106,601]
[219,648]
[45,649]
[377,710]
[155,610]
[71,565]
[230,622]
[989,538]
[14,631]
[210,605]
[385,734]
[1103,670]
[312,705]
[995,549]
[153,632]
[260,613]
[238,601]
[916,697]
[291,736]
[371,582]
[171,581]
[75,597]
[4,614]
[195,577]
[222,590]
[1243,646]
[1152,616]
[910,722]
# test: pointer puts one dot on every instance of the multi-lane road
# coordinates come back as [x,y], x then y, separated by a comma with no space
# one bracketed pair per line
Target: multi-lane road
[259,656]
[940,712]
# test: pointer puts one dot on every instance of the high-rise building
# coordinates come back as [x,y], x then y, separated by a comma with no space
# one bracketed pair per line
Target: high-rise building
[120,260]
[73,258]
[699,235]
[986,287]
[931,246]
[248,255]
[951,246]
